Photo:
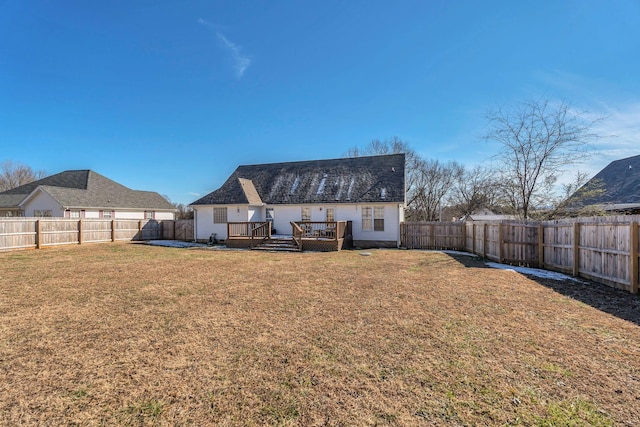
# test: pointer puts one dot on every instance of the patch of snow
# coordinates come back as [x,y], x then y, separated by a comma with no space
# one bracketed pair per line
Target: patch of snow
[294,186]
[353,181]
[544,274]
[175,244]
[321,186]
[365,253]
[340,184]
[383,193]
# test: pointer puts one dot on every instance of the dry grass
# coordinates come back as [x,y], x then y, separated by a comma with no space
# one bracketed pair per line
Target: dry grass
[136,335]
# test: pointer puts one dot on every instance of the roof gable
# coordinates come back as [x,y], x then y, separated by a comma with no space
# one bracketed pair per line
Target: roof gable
[250,192]
[347,180]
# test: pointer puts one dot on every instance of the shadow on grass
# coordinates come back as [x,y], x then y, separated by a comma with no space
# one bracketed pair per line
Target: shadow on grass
[616,302]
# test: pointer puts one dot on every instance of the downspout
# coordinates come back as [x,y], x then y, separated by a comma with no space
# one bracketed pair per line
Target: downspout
[399,227]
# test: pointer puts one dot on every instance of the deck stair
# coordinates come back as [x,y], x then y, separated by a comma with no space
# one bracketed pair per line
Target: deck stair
[280,244]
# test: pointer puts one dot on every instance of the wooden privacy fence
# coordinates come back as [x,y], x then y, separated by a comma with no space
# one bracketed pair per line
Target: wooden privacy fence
[24,233]
[603,249]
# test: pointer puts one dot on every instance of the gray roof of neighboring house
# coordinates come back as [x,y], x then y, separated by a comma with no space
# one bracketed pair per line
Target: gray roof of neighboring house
[620,181]
[87,189]
[347,180]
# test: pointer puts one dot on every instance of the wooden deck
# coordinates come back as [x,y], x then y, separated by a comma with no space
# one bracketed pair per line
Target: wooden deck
[305,235]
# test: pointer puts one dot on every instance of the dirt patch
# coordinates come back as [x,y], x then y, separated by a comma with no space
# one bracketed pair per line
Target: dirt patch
[139,335]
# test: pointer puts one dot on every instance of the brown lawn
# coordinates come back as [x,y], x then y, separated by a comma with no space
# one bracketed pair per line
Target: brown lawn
[130,334]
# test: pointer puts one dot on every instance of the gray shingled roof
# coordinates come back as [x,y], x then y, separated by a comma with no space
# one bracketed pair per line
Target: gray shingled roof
[87,189]
[348,180]
[620,181]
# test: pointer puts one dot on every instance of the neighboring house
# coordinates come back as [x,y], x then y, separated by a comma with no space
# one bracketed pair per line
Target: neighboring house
[616,188]
[367,191]
[83,194]
[488,215]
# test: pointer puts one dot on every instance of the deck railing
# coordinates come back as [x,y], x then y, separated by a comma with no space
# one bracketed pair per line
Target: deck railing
[330,230]
[297,233]
[260,233]
[245,229]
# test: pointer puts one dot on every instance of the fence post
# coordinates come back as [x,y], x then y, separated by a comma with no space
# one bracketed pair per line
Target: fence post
[432,229]
[140,229]
[473,237]
[464,237]
[634,257]
[38,234]
[113,230]
[484,240]
[79,232]
[540,245]
[576,248]
[500,243]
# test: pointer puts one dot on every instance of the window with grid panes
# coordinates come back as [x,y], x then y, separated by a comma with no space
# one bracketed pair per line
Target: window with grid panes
[367,218]
[330,214]
[305,214]
[378,218]
[219,215]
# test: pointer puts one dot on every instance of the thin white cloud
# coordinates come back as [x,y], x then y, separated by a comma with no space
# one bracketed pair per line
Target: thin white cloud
[619,132]
[191,193]
[240,62]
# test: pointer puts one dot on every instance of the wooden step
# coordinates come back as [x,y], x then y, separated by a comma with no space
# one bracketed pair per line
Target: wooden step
[282,245]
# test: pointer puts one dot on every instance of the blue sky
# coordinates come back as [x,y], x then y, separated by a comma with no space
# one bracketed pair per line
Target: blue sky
[173,96]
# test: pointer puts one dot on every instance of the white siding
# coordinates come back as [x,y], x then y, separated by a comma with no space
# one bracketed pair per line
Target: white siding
[256,213]
[91,214]
[42,201]
[165,215]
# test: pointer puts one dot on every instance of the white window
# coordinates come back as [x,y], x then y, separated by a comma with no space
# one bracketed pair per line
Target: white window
[106,214]
[373,218]
[73,214]
[305,213]
[330,214]
[270,214]
[219,215]
[378,218]
[43,213]
[149,214]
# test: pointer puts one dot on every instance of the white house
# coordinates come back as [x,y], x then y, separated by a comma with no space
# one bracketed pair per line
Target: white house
[83,194]
[367,191]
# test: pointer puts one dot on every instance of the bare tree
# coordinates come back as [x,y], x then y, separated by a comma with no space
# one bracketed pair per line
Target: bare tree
[570,202]
[393,145]
[434,181]
[427,181]
[539,140]
[474,189]
[184,212]
[16,174]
